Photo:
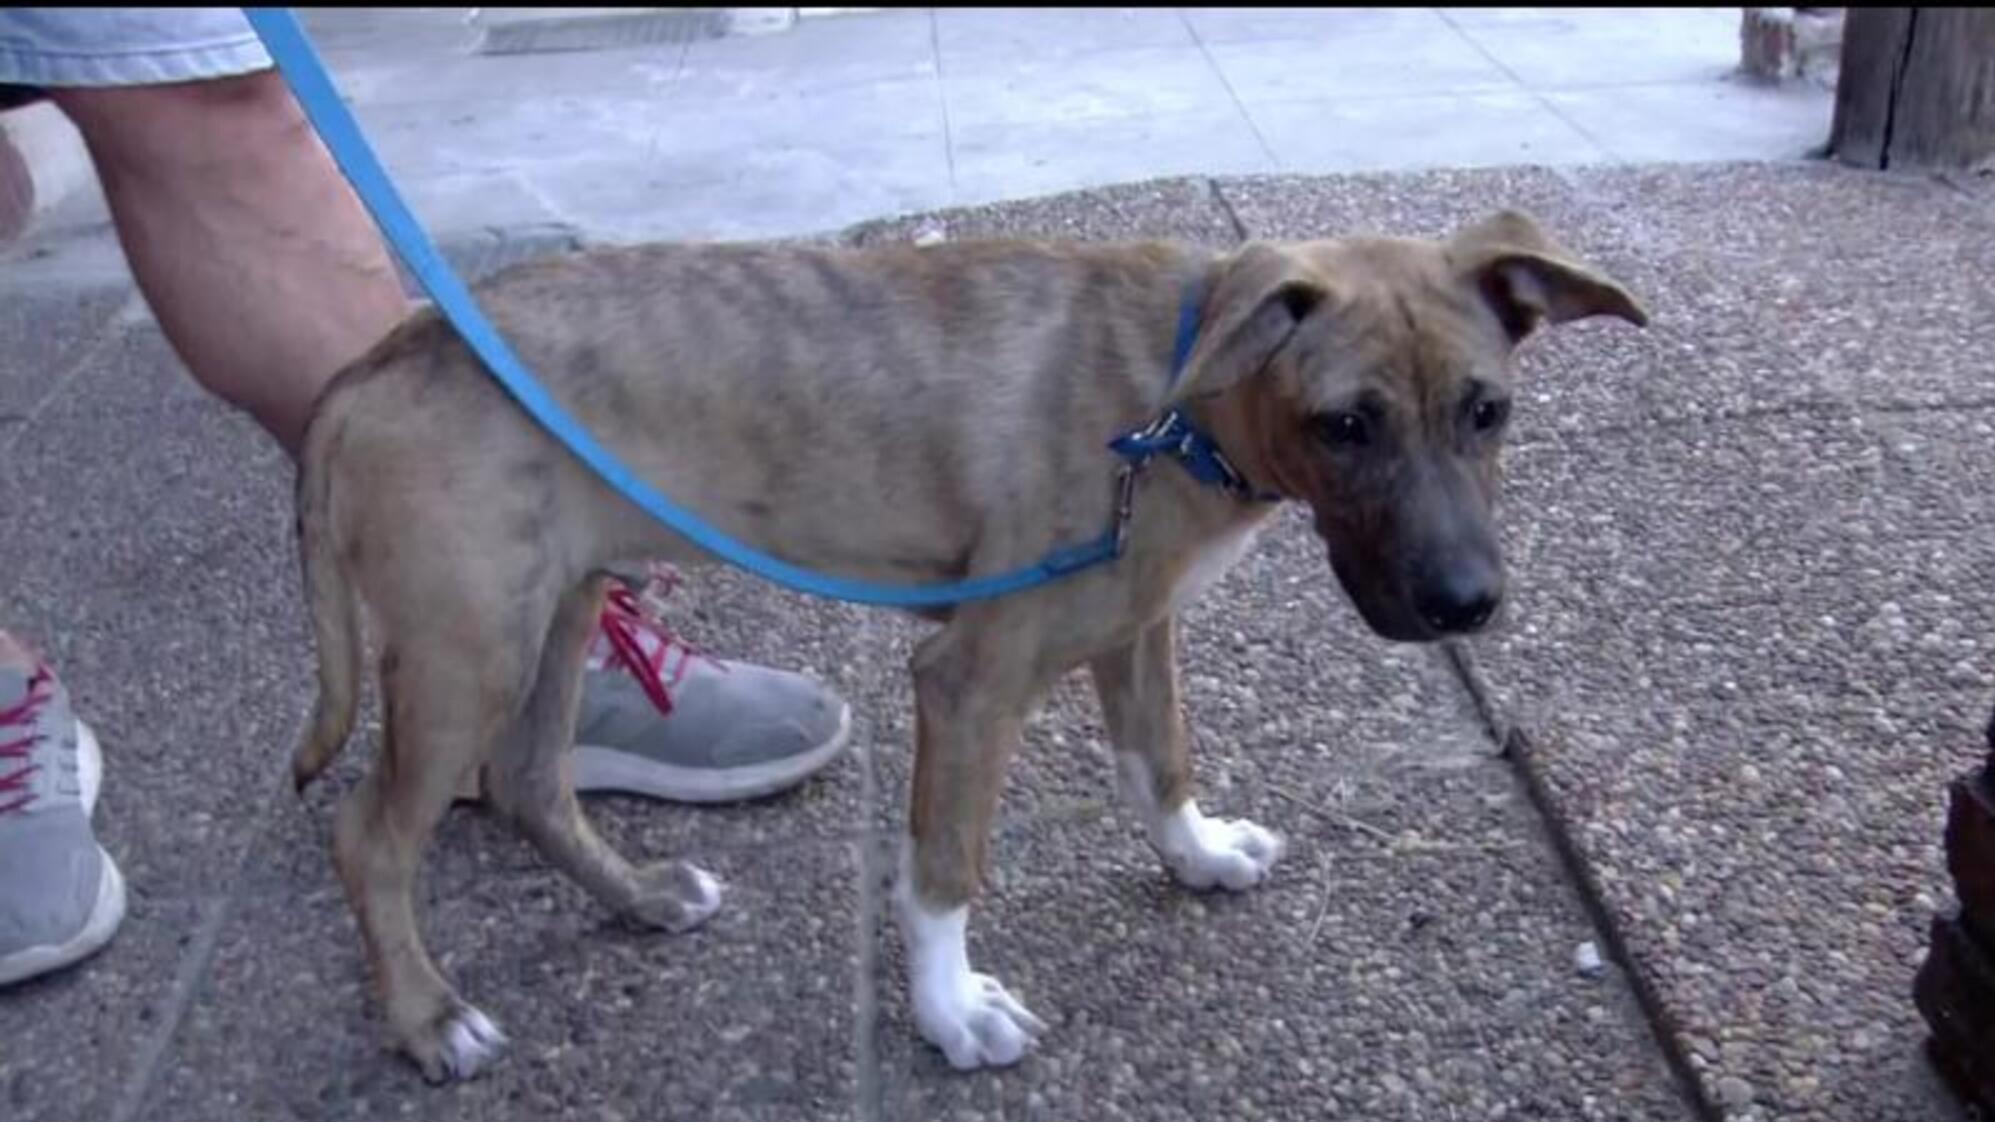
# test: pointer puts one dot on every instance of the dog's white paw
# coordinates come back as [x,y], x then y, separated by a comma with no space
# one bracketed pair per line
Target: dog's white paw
[975,1022]
[675,896]
[1202,852]
[968,1015]
[704,899]
[470,1043]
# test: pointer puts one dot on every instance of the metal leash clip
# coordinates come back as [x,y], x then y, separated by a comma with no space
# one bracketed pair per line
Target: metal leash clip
[1125,501]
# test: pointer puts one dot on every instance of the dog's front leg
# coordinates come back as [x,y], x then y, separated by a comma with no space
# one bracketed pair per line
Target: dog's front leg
[1138,687]
[969,711]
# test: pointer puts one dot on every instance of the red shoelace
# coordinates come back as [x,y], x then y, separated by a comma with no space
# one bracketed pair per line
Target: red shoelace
[625,621]
[21,715]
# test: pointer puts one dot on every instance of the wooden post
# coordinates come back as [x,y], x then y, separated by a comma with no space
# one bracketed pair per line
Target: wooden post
[1955,989]
[1916,89]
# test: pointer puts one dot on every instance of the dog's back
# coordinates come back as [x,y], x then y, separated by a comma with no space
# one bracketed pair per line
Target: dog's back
[794,394]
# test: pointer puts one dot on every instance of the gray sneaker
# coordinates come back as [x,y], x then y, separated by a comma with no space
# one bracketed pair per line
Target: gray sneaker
[661,719]
[61,895]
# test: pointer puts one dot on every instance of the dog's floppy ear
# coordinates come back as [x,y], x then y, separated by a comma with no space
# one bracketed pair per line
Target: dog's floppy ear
[1526,278]
[1261,296]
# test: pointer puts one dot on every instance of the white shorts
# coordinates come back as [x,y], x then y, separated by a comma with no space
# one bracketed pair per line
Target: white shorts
[42,47]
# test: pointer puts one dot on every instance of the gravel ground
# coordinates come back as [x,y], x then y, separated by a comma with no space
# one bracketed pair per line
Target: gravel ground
[1747,639]
[1745,647]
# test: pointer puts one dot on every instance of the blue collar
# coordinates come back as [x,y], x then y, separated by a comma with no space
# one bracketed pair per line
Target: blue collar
[1173,434]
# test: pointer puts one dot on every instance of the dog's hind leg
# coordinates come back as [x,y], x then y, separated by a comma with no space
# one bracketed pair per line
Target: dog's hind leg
[1138,687]
[530,781]
[442,711]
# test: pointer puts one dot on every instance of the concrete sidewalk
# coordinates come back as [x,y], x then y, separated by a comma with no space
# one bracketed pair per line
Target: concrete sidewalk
[854,117]
[1746,652]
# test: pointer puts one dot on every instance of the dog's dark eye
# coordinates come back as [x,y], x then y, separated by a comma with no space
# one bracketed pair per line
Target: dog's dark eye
[1341,430]
[1489,414]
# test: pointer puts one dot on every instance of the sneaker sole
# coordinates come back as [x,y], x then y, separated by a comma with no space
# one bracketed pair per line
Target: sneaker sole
[105,917]
[615,771]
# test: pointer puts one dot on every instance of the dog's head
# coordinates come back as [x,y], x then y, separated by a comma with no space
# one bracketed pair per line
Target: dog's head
[1371,378]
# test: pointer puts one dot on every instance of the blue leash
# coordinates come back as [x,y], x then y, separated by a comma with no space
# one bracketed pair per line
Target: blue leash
[299,64]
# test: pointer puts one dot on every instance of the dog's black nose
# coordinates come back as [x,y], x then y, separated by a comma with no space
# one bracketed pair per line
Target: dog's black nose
[1460,598]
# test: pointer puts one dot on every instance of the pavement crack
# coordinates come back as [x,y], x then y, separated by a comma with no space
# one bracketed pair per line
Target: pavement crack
[1718,419]
[1536,95]
[942,99]
[1226,207]
[1462,661]
[192,971]
[1232,94]
[1516,748]
[1954,405]
[865,982]
[88,356]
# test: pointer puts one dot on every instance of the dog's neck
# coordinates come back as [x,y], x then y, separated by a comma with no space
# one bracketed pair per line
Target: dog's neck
[1219,421]
[1227,418]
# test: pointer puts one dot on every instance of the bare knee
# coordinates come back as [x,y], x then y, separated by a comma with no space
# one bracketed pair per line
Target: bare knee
[235,121]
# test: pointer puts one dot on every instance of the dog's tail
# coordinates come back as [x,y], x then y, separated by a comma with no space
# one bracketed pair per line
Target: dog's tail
[335,621]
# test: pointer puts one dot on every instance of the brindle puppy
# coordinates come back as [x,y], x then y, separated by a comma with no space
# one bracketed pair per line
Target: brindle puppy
[909,415]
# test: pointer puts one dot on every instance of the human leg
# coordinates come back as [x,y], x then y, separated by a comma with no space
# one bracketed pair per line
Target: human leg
[267,276]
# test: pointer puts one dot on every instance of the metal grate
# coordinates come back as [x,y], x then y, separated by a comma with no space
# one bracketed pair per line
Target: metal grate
[598,30]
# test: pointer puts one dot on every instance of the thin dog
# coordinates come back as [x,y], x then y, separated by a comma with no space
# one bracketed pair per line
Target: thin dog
[910,415]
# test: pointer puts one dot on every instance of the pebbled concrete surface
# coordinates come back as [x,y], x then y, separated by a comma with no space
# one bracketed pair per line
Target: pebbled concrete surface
[1745,651]
[1412,956]
[1747,633]
[1729,622]
[1418,942]
[50,333]
[750,1017]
